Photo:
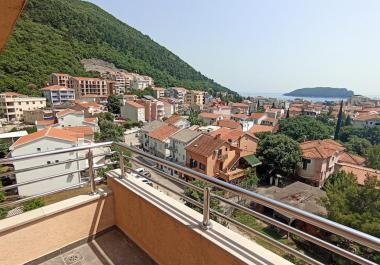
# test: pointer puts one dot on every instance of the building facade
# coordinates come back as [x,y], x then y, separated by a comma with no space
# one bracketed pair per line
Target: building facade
[57,94]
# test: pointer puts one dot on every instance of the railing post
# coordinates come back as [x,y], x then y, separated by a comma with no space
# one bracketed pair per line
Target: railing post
[121,164]
[91,171]
[206,208]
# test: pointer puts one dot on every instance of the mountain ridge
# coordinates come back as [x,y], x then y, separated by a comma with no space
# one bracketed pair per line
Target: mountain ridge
[54,35]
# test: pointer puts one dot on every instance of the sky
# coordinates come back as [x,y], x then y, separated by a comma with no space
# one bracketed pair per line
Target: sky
[270,46]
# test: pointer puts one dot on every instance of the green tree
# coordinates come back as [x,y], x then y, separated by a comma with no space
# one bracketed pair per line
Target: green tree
[371,133]
[348,121]
[339,121]
[326,119]
[357,145]
[194,119]
[4,147]
[279,153]
[114,104]
[373,156]
[303,128]
[250,180]
[109,131]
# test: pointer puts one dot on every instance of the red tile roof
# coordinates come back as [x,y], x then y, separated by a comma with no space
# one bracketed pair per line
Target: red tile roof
[239,116]
[68,111]
[86,130]
[90,119]
[205,145]
[134,104]
[351,159]
[48,132]
[240,105]
[173,119]
[361,173]
[163,132]
[228,134]
[257,128]
[55,87]
[206,115]
[45,122]
[257,115]
[88,104]
[320,149]
[228,123]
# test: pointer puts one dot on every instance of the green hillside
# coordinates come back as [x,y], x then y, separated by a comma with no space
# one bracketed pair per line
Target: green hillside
[54,35]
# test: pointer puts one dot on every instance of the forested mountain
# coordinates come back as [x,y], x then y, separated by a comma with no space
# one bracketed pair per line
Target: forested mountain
[54,35]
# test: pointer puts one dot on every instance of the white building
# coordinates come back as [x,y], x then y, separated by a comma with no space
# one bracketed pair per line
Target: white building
[57,94]
[178,142]
[12,105]
[50,139]
[133,111]
[159,140]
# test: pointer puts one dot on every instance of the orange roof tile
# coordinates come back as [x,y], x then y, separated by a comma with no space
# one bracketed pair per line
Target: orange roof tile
[173,119]
[90,119]
[240,105]
[163,132]
[56,87]
[45,122]
[67,111]
[228,123]
[257,128]
[361,173]
[205,145]
[206,115]
[320,149]
[88,104]
[227,134]
[257,115]
[351,159]
[134,104]
[86,130]
[239,116]
[11,94]
[48,132]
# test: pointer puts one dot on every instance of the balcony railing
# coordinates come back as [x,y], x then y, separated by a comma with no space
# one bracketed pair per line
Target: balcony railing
[153,163]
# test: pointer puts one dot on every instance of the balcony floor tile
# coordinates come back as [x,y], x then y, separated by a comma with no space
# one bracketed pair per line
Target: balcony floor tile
[111,248]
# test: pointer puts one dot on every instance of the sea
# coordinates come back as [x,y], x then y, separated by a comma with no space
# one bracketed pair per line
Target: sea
[313,99]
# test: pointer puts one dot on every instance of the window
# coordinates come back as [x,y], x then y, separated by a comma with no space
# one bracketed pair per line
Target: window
[202,167]
[38,149]
[48,162]
[304,163]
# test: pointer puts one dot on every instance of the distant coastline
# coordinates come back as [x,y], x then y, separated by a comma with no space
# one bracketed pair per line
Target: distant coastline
[326,92]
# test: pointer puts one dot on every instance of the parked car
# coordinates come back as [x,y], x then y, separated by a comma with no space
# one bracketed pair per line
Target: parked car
[142,171]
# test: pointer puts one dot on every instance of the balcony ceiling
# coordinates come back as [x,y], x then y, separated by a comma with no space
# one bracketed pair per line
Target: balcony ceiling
[9,12]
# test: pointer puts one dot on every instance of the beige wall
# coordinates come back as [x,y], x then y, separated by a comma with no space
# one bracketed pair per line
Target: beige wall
[165,239]
[50,233]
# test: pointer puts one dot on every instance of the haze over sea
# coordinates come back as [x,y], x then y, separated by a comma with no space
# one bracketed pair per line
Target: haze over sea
[282,96]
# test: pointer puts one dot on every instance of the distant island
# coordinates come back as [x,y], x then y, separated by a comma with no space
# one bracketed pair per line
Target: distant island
[326,92]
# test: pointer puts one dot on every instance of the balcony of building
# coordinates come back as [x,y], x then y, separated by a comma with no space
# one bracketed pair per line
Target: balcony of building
[127,221]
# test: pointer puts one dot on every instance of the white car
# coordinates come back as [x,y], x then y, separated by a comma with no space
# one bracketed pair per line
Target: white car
[142,171]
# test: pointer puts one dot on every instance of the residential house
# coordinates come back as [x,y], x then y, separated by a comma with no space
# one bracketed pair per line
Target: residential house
[319,158]
[45,140]
[366,119]
[237,108]
[214,157]
[210,118]
[159,140]
[228,124]
[178,121]
[269,122]
[133,111]
[59,79]
[145,130]
[178,142]
[87,131]
[12,105]
[246,142]
[275,113]
[258,128]
[57,94]
[361,173]
[90,109]
[258,117]
[220,109]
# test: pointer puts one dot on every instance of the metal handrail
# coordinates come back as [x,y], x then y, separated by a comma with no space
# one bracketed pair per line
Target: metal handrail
[333,227]
[53,152]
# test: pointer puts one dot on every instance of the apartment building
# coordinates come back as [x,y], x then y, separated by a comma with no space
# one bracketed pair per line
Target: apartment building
[140,82]
[158,92]
[144,133]
[154,109]
[122,81]
[12,105]
[195,98]
[210,118]
[178,142]
[88,86]
[178,93]
[57,94]
[237,108]
[59,79]
[133,111]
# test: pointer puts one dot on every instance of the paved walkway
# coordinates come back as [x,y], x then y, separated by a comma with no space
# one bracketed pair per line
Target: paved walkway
[112,248]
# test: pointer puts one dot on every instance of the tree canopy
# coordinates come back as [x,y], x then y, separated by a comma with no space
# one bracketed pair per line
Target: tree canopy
[279,154]
[371,133]
[357,145]
[303,128]
[114,104]
[109,131]
[373,156]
